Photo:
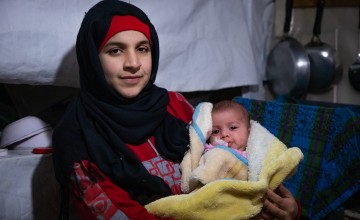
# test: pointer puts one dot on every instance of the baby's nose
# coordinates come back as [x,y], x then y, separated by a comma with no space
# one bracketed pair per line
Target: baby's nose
[224,133]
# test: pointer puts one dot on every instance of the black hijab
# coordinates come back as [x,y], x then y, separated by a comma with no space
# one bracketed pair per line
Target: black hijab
[100,121]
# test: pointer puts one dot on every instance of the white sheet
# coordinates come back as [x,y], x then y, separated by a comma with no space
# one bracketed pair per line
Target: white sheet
[28,188]
[204,44]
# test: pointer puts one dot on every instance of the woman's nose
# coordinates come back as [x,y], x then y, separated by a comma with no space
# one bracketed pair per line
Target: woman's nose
[132,61]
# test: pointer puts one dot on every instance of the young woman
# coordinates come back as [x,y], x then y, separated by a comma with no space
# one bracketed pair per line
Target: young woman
[119,144]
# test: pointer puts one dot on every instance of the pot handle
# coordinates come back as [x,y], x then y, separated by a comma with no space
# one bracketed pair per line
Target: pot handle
[359,36]
[359,18]
[288,14]
[319,13]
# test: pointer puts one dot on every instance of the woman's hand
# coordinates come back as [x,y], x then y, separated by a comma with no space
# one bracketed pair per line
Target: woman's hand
[279,204]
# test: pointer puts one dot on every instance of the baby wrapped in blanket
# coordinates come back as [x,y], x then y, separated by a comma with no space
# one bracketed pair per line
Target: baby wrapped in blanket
[225,154]
[218,183]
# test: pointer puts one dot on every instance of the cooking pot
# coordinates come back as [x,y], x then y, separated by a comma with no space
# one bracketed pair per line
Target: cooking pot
[325,65]
[354,69]
[288,65]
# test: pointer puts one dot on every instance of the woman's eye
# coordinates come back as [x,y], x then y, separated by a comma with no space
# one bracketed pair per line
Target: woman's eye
[143,49]
[114,51]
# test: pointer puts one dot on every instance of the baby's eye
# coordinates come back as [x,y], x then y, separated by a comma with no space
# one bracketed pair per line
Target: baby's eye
[214,132]
[233,127]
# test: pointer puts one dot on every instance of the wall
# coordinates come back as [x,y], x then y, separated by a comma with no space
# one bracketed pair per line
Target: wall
[339,30]
[193,41]
[340,21]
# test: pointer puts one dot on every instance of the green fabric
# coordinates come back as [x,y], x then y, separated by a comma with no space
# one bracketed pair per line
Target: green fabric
[329,137]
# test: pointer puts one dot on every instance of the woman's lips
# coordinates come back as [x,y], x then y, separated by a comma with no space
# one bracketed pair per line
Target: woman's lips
[131,79]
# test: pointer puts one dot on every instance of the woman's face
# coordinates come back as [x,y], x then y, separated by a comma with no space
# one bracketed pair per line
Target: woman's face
[126,61]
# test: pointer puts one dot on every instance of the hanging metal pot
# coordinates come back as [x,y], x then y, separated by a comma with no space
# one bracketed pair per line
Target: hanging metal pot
[354,69]
[288,65]
[325,65]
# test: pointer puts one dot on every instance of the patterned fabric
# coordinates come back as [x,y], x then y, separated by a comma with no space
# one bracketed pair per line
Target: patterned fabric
[167,170]
[100,204]
[95,198]
[329,137]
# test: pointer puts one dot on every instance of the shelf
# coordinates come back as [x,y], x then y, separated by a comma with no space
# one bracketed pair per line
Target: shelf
[328,3]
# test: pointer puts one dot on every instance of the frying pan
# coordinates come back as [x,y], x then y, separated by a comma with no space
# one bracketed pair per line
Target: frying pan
[288,65]
[354,69]
[325,65]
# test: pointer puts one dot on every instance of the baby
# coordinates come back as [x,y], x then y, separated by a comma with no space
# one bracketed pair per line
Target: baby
[225,153]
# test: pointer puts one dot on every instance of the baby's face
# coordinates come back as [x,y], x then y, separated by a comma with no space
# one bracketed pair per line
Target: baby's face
[229,126]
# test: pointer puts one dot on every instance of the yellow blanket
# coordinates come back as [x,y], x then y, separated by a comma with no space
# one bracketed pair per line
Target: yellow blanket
[270,163]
